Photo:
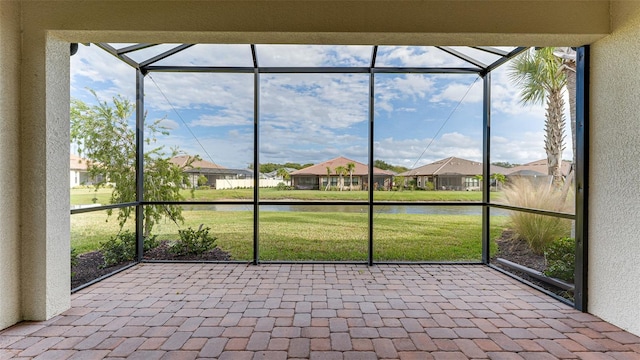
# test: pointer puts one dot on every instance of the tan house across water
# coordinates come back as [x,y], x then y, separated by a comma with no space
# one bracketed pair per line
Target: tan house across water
[451,173]
[316,177]
[211,171]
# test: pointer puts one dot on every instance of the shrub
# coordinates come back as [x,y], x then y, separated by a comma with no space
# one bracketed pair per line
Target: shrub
[561,259]
[429,186]
[538,230]
[122,247]
[282,186]
[204,187]
[202,180]
[193,242]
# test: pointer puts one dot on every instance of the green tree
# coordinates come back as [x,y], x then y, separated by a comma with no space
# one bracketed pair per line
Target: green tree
[202,180]
[380,164]
[282,172]
[105,135]
[504,164]
[399,182]
[350,169]
[539,76]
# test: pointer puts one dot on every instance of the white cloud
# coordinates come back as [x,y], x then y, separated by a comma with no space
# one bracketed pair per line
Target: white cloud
[190,90]
[211,55]
[169,124]
[390,90]
[456,92]
[313,55]
[505,96]
[416,56]
[311,102]
[417,152]
[225,118]
[95,68]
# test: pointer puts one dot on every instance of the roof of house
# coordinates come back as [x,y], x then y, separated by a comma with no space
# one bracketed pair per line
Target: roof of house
[77,163]
[182,160]
[321,168]
[537,168]
[453,166]
[274,174]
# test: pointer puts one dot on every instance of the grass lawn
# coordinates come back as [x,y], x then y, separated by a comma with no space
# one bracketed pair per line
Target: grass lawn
[87,195]
[316,235]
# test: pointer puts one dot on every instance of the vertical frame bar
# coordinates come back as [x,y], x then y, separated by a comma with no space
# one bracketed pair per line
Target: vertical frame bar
[256,158]
[139,164]
[486,168]
[582,177]
[371,174]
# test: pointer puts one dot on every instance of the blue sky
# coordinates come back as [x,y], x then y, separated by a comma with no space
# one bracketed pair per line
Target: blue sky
[309,118]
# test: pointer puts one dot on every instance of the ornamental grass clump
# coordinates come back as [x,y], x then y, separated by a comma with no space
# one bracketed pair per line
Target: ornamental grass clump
[537,230]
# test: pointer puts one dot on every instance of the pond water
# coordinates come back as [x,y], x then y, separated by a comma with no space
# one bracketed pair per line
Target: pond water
[383,209]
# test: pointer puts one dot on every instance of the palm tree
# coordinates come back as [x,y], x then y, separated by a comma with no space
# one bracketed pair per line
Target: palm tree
[328,178]
[283,173]
[538,74]
[568,67]
[499,179]
[350,168]
[340,171]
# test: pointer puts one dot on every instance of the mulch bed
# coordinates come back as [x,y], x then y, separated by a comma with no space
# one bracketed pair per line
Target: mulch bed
[89,266]
[518,251]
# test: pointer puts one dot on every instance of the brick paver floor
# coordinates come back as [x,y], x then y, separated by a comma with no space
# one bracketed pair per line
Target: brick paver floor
[230,311]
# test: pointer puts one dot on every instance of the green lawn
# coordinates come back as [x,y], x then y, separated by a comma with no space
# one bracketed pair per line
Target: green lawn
[316,235]
[89,196]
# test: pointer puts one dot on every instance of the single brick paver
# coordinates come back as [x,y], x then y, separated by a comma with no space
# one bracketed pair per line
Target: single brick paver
[316,311]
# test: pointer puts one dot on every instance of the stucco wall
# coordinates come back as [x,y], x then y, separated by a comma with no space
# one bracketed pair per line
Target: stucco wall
[9,159]
[614,229]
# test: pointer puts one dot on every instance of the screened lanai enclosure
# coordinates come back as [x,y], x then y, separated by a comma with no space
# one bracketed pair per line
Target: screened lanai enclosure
[315,153]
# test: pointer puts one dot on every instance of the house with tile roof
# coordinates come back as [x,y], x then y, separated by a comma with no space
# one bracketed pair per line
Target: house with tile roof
[537,168]
[79,172]
[317,177]
[537,171]
[214,173]
[451,173]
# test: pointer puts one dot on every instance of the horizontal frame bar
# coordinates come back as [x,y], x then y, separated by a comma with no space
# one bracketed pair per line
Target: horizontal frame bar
[103,207]
[310,70]
[534,211]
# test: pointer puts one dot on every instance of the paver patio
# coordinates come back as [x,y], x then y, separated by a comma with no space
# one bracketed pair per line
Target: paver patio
[231,311]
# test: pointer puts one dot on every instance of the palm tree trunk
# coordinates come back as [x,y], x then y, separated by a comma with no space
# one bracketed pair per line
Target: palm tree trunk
[554,128]
[570,72]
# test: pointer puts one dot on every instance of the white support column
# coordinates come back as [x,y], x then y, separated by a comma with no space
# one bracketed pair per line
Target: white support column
[44,165]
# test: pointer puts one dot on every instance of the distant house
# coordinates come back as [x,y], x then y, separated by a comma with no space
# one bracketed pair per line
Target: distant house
[214,173]
[78,171]
[273,175]
[451,173]
[315,177]
[537,171]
